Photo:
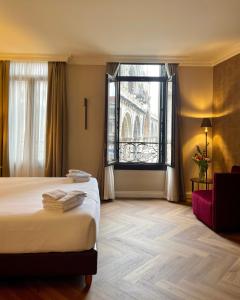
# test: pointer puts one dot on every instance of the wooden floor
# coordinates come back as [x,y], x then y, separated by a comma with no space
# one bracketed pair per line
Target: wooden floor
[149,249]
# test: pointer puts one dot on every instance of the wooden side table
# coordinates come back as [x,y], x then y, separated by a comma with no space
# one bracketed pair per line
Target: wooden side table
[198,181]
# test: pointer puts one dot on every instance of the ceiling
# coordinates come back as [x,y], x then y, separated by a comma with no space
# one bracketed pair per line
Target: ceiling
[200,31]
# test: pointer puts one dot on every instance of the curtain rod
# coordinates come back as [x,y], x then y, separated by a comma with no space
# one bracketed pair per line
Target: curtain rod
[35,57]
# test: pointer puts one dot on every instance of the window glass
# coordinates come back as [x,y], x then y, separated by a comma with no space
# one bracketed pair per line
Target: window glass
[169,124]
[139,122]
[142,70]
[111,122]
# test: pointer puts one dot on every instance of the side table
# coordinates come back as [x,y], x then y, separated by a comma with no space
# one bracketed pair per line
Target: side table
[198,181]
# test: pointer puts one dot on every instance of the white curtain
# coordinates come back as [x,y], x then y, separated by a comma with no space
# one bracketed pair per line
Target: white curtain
[27,118]
[174,175]
[172,189]
[109,191]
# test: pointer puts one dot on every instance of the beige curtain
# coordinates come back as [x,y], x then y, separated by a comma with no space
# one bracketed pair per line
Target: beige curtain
[112,68]
[56,144]
[4,92]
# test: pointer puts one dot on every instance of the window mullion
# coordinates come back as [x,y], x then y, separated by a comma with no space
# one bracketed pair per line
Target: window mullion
[161,124]
[117,120]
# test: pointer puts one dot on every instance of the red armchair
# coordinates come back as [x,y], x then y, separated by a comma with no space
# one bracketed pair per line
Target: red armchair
[219,208]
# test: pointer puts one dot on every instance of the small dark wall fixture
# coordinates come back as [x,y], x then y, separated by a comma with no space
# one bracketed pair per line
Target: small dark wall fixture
[85,113]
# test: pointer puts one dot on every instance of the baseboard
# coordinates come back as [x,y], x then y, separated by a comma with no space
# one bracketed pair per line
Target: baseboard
[140,194]
[147,194]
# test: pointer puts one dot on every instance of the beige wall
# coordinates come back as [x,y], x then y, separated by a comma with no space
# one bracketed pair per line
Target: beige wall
[226,109]
[85,145]
[196,86]
[139,180]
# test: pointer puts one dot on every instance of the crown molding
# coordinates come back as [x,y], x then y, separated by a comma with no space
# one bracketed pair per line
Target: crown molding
[34,57]
[103,59]
[235,50]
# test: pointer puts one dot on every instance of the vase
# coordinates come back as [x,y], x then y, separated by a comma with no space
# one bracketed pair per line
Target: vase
[202,174]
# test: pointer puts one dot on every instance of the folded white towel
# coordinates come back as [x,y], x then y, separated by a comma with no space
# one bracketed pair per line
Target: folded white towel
[55,194]
[78,172]
[65,207]
[79,178]
[69,201]
[66,198]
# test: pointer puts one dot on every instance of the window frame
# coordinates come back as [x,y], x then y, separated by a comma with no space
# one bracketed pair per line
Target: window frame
[174,91]
[161,165]
[109,78]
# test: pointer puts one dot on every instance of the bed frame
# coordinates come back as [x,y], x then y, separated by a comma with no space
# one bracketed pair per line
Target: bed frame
[50,264]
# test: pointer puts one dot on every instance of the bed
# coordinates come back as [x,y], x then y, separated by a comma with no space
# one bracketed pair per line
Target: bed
[36,242]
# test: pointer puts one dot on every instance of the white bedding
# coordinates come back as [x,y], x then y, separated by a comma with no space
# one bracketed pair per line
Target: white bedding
[25,227]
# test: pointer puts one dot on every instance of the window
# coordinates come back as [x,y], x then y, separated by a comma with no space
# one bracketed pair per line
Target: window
[139,117]
[27,118]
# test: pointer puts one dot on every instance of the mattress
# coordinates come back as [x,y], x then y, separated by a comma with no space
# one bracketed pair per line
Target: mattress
[25,227]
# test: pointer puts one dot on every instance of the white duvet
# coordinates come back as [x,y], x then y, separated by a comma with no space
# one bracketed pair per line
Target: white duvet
[25,227]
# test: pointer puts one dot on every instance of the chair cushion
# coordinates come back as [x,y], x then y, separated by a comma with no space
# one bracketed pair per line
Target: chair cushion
[202,206]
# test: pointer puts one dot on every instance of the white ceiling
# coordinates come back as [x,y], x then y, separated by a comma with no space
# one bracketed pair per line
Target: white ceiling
[203,31]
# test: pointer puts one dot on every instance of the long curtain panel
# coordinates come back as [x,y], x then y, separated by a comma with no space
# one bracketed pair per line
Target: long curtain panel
[27,118]
[56,120]
[106,173]
[174,175]
[4,94]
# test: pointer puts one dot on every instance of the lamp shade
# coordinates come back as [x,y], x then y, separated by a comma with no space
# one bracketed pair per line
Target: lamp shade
[206,122]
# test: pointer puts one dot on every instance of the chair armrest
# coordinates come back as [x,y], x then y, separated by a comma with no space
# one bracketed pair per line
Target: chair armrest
[226,201]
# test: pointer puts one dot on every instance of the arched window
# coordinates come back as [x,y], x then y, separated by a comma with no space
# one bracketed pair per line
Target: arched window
[126,128]
[136,131]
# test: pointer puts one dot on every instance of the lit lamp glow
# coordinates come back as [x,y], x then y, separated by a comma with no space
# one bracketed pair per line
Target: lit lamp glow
[206,123]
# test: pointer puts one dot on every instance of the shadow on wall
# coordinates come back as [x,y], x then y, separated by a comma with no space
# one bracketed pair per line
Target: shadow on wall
[221,151]
[226,96]
[223,148]
[226,142]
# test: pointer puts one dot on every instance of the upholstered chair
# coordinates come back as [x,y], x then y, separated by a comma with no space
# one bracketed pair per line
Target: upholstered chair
[219,208]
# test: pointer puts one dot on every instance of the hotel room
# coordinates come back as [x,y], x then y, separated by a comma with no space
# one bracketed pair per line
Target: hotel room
[119,149]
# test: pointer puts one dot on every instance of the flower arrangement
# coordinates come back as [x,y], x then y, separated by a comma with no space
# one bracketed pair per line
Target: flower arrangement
[201,159]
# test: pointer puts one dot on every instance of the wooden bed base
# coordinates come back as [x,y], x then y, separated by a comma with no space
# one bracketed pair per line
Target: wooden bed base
[50,264]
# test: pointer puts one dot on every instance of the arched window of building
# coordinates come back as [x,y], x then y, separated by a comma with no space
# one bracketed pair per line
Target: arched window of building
[137,131]
[146,128]
[152,132]
[126,128]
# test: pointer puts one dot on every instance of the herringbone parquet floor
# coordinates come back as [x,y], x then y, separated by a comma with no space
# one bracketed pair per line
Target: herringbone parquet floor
[149,250]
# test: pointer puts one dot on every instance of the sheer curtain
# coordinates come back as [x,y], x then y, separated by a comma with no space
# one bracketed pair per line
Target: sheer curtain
[109,191]
[27,118]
